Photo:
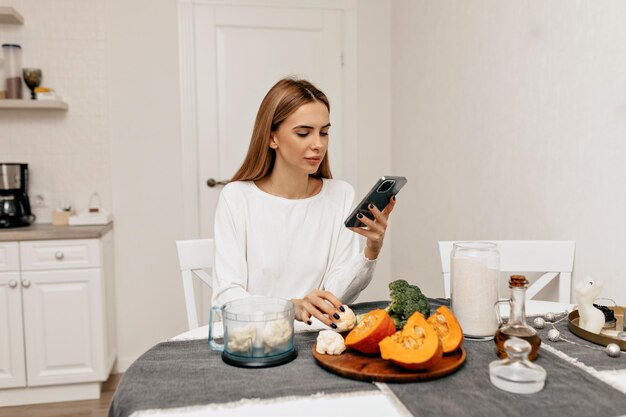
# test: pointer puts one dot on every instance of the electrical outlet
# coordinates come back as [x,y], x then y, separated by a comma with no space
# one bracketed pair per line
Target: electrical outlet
[39,200]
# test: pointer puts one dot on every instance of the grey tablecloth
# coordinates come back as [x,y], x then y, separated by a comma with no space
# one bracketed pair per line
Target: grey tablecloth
[177,374]
[589,353]
[569,391]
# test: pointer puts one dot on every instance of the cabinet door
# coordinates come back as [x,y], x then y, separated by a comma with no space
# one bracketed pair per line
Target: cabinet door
[12,373]
[63,326]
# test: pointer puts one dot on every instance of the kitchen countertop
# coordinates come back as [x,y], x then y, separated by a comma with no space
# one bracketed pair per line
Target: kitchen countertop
[50,232]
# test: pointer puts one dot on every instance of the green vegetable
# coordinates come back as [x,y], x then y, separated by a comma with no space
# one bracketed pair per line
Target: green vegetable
[406,299]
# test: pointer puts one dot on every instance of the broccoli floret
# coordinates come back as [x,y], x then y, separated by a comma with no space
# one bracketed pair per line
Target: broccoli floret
[406,299]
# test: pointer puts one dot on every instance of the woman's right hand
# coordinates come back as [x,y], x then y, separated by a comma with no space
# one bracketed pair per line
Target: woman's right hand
[320,304]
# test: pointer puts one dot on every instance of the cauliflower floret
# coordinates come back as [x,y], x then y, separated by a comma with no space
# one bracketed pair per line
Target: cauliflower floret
[276,334]
[330,343]
[347,320]
[242,339]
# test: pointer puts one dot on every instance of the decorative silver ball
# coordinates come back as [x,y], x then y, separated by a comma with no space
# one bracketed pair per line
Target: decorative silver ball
[551,317]
[554,335]
[539,323]
[612,349]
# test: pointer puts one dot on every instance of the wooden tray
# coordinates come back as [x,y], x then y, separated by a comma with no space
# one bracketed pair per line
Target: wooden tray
[606,336]
[354,365]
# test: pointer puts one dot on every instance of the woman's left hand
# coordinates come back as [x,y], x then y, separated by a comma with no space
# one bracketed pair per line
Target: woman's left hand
[374,230]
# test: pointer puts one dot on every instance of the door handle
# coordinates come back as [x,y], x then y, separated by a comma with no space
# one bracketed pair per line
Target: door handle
[25,283]
[212,182]
[59,255]
[12,283]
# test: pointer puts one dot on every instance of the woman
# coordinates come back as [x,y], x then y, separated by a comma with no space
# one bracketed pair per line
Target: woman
[279,223]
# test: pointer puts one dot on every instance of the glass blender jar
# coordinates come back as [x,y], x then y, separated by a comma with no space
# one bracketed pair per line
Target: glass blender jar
[258,332]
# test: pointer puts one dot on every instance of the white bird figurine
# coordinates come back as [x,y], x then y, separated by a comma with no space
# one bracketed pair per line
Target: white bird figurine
[591,318]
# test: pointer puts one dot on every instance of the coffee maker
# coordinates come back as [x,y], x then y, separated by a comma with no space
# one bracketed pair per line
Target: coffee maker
[14,204]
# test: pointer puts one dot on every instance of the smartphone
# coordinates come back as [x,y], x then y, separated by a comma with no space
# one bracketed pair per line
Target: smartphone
[379,195]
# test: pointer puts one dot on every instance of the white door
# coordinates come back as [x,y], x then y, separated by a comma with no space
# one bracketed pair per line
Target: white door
[230,56]
[63,320]
[12,368]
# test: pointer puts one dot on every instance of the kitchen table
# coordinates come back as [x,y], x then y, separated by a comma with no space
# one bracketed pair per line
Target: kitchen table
[183,377]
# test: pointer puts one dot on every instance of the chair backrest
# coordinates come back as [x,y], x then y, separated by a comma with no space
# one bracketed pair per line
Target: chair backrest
[194,257]
[555,258]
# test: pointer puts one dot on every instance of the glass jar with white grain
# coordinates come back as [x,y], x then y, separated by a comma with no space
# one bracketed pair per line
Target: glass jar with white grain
[475,271]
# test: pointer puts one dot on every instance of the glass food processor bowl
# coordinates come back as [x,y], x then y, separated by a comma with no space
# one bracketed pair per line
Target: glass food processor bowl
[258,331]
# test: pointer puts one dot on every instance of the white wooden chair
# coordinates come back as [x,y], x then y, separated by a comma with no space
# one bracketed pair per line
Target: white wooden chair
[195,257]
[553,258]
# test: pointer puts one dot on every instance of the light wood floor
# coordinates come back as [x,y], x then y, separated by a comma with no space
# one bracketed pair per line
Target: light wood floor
[87,408]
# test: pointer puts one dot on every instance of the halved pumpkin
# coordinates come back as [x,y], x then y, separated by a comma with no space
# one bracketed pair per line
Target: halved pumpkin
[374,327]
[416,346]
[448,328]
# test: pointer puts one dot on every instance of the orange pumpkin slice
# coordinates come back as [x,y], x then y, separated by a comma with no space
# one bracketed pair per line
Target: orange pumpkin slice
[416,346]
[374,327]
[448,328]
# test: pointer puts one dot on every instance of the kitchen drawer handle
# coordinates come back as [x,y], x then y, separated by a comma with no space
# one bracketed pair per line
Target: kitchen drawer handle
[25,283]
[12,283]
[59,255]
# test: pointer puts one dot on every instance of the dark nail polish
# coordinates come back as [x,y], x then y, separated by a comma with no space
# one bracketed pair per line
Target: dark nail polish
[309,322]
[360,216]
[341,308]
[336,316]
[333,325]
[370,206]
[393,197]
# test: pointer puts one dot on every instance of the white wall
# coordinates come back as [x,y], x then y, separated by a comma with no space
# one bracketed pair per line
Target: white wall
[67,152]
[374,123]
[509,119]
[146,175]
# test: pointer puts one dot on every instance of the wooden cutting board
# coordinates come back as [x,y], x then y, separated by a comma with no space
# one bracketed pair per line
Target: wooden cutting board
[354,365]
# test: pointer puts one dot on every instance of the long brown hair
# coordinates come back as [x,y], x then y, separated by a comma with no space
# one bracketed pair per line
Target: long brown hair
[283,99]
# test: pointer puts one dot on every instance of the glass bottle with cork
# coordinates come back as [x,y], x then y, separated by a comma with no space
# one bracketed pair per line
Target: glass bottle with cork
[516,326]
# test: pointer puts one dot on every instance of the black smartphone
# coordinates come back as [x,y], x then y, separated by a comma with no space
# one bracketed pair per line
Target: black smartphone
[379,195]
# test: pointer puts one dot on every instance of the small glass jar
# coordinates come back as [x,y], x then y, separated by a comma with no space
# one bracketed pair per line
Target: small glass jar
[475,271]
[2,79]
[12,70]
[516,373]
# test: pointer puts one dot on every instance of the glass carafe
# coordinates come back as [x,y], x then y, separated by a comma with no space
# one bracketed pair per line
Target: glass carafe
[516,325]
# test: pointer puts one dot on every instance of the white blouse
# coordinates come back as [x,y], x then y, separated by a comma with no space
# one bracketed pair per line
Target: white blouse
[277,247]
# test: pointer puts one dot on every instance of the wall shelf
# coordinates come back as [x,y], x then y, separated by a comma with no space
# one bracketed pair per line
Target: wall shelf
[33,104]
[11,16]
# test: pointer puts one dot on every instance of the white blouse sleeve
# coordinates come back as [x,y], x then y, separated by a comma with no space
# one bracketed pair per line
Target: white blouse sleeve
[350,271]
[231,272]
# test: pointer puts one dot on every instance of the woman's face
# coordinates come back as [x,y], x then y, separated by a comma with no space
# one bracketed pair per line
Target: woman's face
[301,140]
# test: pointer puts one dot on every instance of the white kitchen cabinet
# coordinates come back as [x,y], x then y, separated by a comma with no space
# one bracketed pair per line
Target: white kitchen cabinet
[12,370]
[57,332]
[63,330]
